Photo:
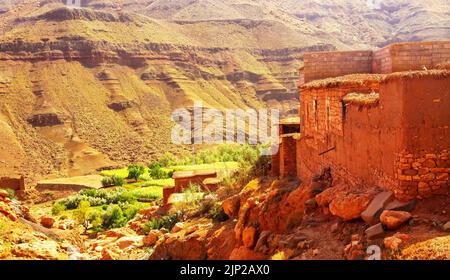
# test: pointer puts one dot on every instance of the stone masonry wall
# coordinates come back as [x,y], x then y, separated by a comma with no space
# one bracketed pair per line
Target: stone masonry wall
[422,175]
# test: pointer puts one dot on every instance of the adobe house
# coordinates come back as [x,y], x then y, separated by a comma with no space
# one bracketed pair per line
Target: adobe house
[206,179]
[13,183]
[284,163]
[375,122]
[184,178]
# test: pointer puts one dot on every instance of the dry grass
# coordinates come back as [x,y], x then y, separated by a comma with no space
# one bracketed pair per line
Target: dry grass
[344,80]
[361,79]
[418,74]
[362,99]
[433,249]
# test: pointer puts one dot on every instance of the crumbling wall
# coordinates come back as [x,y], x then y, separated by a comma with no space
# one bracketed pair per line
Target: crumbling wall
[16,184]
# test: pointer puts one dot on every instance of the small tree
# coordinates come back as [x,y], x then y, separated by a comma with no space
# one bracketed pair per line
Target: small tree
[167,160]
[81,215]
[135,171]
[156,172]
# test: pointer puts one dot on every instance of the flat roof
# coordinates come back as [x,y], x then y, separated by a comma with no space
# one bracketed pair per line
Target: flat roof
[291,120]
[342,80]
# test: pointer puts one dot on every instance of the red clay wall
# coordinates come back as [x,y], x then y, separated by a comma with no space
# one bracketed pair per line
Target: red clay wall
[324,129]
[12,183]
[373,145]
[288,157]
[423,165]
[196,179]
[275,169]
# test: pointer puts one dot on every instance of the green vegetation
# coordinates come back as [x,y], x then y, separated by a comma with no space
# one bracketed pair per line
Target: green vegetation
[167,222]
[113,181]
[11,193]
[221,153]
[216,213]
[107,217]
[156,172]
[135,171]
[97,210]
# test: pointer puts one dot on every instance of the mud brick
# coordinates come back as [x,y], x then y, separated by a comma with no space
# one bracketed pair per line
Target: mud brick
[372,214]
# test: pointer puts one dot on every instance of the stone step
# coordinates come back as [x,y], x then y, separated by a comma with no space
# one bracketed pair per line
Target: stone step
[372,214]
[375,231]
[397,205]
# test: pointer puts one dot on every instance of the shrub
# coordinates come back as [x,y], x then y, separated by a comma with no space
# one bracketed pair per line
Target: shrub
[168,159]
[167,222]
[81,214]
[73,202]
[113,181]
[117,180]
[156,172]
[107,182]
[135,171]
[58,208]
[114,217]
[11,193]
[217,214]
[95,219]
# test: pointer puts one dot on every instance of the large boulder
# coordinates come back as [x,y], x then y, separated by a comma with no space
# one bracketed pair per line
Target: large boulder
[47,250]
[375,231]
[350,206]
[151,238]
[119,232]
[394,219]
[372,214]
[47,221]
[130,241]
[243,253]
[231,206]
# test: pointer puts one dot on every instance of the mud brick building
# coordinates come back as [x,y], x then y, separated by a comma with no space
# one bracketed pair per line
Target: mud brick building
[284,163]
[376,118]
[13,183]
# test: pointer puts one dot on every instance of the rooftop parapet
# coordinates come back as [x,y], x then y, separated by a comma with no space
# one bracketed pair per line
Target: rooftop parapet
[392,58]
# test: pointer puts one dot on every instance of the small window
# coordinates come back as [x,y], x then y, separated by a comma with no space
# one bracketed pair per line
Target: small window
[307,112]
[328,114]
[344,110]
[316,120]
[315,108]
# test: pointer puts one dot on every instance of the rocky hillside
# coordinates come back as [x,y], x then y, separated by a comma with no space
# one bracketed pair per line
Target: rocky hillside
[83,89]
